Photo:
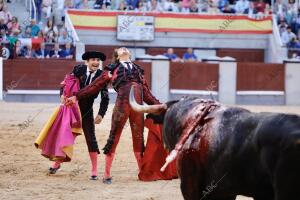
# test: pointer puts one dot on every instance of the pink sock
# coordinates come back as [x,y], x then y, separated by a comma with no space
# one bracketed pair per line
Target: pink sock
[93,157]
[56,164]
[108,161]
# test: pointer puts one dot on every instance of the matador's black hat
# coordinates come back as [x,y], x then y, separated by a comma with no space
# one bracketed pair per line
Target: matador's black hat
[93,54]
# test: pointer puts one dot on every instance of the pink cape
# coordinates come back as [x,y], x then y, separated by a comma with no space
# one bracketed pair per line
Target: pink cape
[57,138]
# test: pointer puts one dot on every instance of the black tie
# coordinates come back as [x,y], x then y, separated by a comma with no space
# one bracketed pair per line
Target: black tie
[88,79]
[128,66]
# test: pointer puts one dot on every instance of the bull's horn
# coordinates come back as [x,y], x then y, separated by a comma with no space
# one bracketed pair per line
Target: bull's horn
[155,109]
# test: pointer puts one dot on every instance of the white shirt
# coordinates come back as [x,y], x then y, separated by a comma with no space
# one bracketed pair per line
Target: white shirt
[241,6]
[125,65]
[287,37]
[87,75]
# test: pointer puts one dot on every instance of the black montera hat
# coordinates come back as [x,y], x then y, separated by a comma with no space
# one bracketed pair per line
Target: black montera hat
[93,54]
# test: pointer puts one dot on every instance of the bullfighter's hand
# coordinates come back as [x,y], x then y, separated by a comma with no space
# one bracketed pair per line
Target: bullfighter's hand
[70,101]
[98,119]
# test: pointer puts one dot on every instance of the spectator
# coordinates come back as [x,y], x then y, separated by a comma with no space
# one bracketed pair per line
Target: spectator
[280,8]
[5,14]
[47,8]
[241,6]
[56,52]
[251,11]
[102,4]
[77,4]
[12,39]
[185,6]
[290,15]
[268,10]
[170,6]
[18,52]
[38,13]
[42,52]
[40,36]
[27,32]
[171,55]
[50,31]
[203,6]
[98,4]
[3,36]
[194,7]
[189,56]
[294,44]
[287,36]
[228,9]
[64,37]
[132,4]
[60,8]
[67,52]
[154,6]
[212,7]
[122,6]
[260,6]
[13,25]
[115,4]
[222,4]
[141,7]
[67,5]
[3,25]
[27,51]
[282,25]
[85,5]
[34,28]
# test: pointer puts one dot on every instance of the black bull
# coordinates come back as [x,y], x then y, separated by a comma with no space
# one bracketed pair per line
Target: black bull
[231,151]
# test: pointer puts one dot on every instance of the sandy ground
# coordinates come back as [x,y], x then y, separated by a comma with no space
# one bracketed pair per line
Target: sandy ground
[23,171]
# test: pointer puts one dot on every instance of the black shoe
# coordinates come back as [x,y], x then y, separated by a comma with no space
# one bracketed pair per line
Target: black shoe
[53,170]
[94,178]
[107,181]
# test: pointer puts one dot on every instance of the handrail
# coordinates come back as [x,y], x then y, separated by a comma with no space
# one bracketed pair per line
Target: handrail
[163,12]
[34,9]
[276,32]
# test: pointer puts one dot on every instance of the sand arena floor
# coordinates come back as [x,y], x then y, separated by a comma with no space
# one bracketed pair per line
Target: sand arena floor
[23,171]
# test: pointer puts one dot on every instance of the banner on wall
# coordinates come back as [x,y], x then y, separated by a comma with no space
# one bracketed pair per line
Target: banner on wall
[175,22]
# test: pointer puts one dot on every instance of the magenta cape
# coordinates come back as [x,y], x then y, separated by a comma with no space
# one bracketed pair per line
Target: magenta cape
[58,135]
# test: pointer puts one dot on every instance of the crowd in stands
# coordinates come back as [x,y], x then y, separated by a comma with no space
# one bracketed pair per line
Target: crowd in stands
[288,18]
[42,29]
[33,38]
[252,8]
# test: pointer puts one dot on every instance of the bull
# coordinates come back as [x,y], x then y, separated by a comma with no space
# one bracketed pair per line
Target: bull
[224,151]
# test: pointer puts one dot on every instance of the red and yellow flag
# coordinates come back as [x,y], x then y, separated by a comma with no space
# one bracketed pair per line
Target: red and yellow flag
[176,22]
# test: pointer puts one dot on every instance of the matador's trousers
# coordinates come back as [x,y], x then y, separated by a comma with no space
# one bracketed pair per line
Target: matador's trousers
[122,111]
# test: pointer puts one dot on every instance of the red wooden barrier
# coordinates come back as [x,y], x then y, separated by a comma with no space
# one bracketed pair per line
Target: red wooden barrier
[260,76]
[46,74]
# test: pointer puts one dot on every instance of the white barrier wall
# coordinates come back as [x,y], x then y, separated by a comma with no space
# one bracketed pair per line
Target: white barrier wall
[227,82]
[292,82]
[160,79]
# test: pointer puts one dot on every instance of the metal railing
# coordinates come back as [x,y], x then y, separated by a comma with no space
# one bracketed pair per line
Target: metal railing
[31,4]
